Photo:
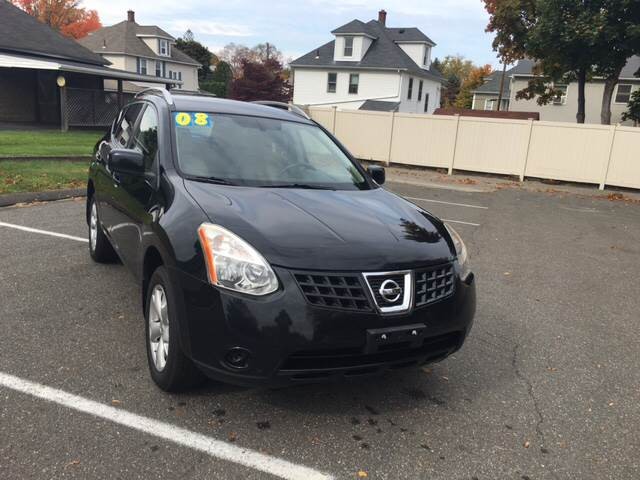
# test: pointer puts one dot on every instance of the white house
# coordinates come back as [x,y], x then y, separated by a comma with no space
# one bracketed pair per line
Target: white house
[565,107]
[370,66]
[146,50]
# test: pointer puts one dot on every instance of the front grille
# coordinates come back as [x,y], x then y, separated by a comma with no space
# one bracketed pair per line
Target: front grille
[433,284]
[334,290]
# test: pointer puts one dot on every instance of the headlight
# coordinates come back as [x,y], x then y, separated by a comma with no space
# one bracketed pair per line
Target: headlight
[234,264]
[461,249]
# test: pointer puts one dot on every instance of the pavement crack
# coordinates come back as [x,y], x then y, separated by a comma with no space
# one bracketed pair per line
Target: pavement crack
[524,379]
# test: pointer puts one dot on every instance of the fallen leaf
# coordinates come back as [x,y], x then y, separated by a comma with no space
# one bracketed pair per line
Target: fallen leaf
[233,437]
[72,463]
[526,444]
[115,402]
[611,404]
[552,369]
[427,370]
[446,379]
[506,274]
[362,474]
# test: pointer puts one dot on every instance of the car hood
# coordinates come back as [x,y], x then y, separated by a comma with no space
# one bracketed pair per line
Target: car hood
[368,230]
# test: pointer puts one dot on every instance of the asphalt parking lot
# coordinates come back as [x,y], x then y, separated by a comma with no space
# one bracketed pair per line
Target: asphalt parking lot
[547,386]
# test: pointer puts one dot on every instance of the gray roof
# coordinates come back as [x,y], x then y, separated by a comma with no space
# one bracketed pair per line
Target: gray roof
[492,84]
[409,35]
[525,67]
[22,33]
[380,106]
[122,38]
[384,53]
[353,27]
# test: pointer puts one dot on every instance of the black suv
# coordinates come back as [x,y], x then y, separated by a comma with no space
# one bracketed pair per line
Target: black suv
[265,252]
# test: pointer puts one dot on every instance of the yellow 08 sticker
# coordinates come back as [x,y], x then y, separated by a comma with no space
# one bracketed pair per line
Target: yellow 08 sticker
[187,119]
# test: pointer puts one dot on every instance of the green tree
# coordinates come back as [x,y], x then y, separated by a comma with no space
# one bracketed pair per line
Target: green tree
[633,110]
[463,77]
[198,52]
[220,82]
[571,40]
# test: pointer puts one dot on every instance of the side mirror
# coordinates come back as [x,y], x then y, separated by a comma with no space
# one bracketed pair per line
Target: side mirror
[377,173]
[124,160]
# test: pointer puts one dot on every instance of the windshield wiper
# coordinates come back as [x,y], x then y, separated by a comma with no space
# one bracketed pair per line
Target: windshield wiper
[299,185]
[216,180]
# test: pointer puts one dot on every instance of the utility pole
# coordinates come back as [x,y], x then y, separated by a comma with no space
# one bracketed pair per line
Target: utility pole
[504,73]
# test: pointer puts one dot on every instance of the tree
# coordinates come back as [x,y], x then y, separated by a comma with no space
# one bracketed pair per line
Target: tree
[261,81]
[474,79]
[463,77]
[66,16]
[220,82]
[267,51]
[235,55]
[572,40]
[198,52]
[633,111]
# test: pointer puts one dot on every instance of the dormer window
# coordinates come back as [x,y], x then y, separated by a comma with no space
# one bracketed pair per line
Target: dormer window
[425,60]
[348,46]
[163,48]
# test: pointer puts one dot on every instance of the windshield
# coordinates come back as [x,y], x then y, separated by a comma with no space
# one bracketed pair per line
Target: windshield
[262,152]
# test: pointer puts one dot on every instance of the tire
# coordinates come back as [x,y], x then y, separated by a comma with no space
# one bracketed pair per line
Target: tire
[99,247]
[169,367]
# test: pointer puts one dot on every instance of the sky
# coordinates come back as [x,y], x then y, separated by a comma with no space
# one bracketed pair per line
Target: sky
[300,26]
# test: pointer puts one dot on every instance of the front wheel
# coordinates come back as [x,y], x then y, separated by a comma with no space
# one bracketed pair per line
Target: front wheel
[170,368]
[99,247]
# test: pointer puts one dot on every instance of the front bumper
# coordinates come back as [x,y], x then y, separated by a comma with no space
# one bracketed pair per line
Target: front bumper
[291,341]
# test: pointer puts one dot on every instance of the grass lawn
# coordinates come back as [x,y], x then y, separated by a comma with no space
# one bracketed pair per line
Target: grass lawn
[41,175]
[47,143]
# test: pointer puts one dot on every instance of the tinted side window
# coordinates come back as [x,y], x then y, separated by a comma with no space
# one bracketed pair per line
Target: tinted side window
[146,139]
[124,130]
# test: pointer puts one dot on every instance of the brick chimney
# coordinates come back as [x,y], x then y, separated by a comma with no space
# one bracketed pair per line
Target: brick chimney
[382,17]
[131,16]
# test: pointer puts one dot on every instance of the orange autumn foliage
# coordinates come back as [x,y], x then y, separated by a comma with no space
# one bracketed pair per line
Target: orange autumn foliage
[66,16]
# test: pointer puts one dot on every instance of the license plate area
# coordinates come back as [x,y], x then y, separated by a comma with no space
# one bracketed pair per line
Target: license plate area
[395,338]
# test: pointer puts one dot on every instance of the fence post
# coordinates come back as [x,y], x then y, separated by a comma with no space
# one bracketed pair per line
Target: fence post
[455,145]
[393,121]
[526,154]
[333,122]
[612,141]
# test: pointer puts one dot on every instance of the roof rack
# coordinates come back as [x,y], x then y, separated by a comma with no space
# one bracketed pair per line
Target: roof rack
[284,106]
[158,91]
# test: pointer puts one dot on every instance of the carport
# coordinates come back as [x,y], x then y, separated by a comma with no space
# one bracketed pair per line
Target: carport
[47,79]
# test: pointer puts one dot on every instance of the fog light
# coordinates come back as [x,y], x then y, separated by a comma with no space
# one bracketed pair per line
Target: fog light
[237,358]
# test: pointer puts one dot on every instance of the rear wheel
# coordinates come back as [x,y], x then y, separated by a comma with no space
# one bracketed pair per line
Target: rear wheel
[99,247]
[170,368]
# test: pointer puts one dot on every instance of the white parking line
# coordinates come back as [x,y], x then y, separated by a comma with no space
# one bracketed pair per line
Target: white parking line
[461,222]
[215,448]
[447,203]
[43,232]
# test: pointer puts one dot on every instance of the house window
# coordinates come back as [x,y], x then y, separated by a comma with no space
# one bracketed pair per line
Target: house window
[425,60]
[420,91]
[426,103]
[354,79]
[332,82]
[624,93]
[142,66]
[348,46]
[159,69]
[561,98]
[490,104]
[410,91]
[164,47]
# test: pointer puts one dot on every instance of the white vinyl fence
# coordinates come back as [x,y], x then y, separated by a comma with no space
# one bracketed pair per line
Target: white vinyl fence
[603,155]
